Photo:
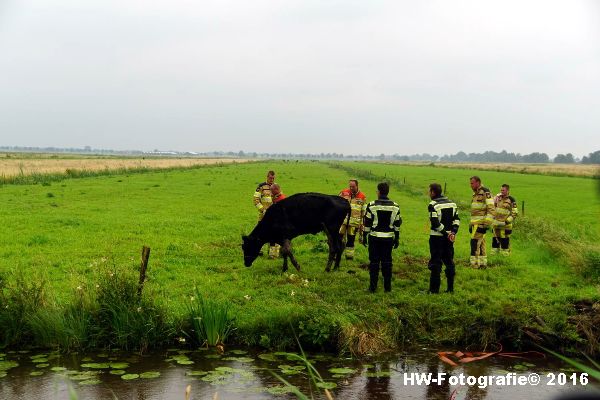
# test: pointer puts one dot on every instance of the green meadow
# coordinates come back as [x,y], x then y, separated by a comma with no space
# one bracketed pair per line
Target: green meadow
[70,253]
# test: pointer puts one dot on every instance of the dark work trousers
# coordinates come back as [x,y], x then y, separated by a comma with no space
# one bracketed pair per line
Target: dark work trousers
[380,252]
[442,251]
[502,242]
[350,240]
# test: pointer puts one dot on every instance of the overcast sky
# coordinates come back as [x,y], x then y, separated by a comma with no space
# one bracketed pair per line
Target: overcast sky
[352,77]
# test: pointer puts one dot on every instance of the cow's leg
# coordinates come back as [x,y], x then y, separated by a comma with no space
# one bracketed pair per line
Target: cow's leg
[330,241]
[285,261]
[286,250]
[336,247]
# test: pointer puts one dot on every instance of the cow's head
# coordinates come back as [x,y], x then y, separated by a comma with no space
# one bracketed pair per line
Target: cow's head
[251,248]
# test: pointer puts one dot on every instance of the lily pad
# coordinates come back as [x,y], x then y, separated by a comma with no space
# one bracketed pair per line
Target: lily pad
[196,373]
[341,371]
[6,365]
[149,375]
[520,367]
[267,357]
[86,359]
[129,377]
[102,355]
[224,369]
[36,373]
[44,365]
[96,365]
[90,382]
[83,376]
[212,356]
[281,389]
[117,372]
[3,374]
[239,352]
[326,385]
[39,360]
[215,379]
[38,356]
[239,359]
[185,362]
[58,369]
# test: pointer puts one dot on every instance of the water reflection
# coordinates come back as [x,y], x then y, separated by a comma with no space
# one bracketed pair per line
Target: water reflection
[441,390]
[232,376]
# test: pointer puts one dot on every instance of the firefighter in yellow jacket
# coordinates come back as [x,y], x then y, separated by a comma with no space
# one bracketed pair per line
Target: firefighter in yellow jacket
[482,217]
[263,199]
[353,224]
[506,212]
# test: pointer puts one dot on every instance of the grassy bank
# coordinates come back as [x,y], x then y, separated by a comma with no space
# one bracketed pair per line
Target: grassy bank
[63,240]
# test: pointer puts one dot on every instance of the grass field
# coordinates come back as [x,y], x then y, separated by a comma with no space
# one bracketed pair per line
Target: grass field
[62,239]
[19,167]
[583,170]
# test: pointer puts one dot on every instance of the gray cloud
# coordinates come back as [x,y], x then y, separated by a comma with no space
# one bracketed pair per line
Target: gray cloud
[301,76]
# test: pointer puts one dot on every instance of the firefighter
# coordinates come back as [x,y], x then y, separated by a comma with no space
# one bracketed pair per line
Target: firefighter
[506,212]
[382,232]
[263,199]
[354,223]
[482,216]
[443,215]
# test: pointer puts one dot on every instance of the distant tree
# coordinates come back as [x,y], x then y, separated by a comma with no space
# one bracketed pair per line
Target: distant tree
[536,158]
[592,158]
[564,159]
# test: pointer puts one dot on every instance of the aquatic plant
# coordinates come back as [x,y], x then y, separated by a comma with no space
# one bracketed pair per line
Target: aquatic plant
[211,320]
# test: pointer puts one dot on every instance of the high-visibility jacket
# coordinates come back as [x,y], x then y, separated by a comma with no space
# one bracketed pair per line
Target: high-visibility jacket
[443,215]
[482,208]
[263,197]
[506,210]
[358,206]
[382,219]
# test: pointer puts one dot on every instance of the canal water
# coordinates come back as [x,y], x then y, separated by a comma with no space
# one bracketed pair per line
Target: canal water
[241,374]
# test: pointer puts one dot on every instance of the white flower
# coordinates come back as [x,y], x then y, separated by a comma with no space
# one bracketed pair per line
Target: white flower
[97,286]
[247,297]
[293,293]
[181,339]
[192,298]
[139,309]
[79,288]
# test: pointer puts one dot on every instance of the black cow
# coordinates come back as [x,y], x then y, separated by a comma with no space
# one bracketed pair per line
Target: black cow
[297,215]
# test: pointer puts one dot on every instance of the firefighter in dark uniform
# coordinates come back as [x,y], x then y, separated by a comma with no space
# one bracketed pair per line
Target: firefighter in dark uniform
[382,232]
[443,215]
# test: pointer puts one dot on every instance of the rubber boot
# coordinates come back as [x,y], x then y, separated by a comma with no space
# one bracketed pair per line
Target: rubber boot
[434,283]
[373,278]
[474,262]
[482,261]
[349,253]
[450,284]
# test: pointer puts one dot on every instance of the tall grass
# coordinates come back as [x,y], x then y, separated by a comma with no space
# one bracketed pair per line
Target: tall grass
[125,320]
[211,320]
[19,299]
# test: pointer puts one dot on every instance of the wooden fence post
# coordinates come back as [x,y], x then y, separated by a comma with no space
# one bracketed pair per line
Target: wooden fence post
[523,207]
[143,267]
[444,187]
